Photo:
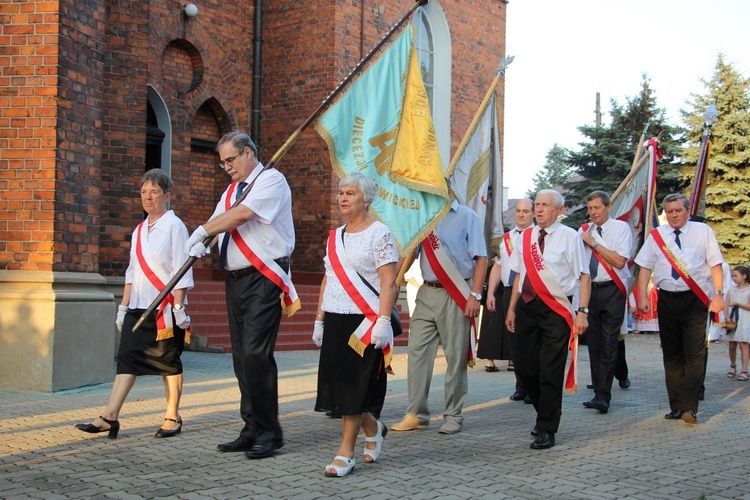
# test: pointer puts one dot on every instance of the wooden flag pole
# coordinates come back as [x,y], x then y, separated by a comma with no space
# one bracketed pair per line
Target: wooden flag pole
[281,151]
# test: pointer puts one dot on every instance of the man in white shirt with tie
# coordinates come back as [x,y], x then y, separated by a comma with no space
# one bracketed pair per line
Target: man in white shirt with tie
[685,259]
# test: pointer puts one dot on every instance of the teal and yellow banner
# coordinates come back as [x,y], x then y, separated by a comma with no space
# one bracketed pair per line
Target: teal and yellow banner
[382,127]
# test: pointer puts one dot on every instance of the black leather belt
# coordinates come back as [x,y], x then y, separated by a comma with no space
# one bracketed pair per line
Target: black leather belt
[675,294]
[240,273]
[433,284]
[602,284]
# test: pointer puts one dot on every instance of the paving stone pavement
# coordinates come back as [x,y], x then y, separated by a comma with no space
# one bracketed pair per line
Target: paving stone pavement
[631,452]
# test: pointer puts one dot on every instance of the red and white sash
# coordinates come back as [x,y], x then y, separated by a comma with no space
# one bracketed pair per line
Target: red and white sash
[257,256]
[679,263]
[158,279]
[508,243]
[548,289]
[610,270]
[455,284]
[365,299]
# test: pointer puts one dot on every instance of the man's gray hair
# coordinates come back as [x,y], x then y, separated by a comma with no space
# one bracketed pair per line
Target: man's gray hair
[240,141]
[557,198]
[676,197]
[363,183]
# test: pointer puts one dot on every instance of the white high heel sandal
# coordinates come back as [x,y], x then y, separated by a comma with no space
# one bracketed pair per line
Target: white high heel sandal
[377,438]
[340,471]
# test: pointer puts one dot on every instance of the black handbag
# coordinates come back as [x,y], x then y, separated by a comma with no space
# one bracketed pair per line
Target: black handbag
[395,315]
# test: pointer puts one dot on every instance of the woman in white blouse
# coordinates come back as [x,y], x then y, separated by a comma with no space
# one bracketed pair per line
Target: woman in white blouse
[155,348]
[353,323]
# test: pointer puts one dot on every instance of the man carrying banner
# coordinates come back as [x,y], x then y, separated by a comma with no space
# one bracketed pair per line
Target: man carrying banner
[550,264]
[501,272]
[257,238]
[453,261]
[608,245]
[686,261]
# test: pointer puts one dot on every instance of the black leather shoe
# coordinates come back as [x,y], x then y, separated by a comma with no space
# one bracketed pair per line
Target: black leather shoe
[240,444]
[263,449]
[624,384]
[544,441]
[689,416]
[589,403]
[674,415]
[534,432]
[163,433]
[517,396]
[589,386]
[527,399]
[601,405]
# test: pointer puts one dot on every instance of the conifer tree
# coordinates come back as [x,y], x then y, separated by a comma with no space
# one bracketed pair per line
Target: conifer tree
[727,203]
[606,157]
[554,173]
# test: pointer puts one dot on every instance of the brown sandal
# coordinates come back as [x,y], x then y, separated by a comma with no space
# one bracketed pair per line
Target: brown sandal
[732,371]
[743,377]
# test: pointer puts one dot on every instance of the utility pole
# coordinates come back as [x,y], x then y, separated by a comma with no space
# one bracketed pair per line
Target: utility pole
[598,110]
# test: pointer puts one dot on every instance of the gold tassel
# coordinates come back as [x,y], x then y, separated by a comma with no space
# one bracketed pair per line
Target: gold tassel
[387,361]
[164,334]
[187,336]
[572,390]
[289,311]
[357,345]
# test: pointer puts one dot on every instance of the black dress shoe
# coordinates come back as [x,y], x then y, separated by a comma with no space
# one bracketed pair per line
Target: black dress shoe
[544,441]
[534,432]
[689,416]
[517,396]
[674,415]
[527,399]
[242,443]
[263,449]
[164,433]
[589,403]
[589,386]
[624,384]
[601,405]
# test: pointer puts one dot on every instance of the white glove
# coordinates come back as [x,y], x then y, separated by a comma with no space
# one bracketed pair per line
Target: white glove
[121,311]
[318,333]
[182,319]
[194,246]
[382,333]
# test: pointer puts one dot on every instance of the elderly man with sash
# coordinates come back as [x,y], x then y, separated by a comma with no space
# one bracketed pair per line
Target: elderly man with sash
[550,265]
[257,238]
[686,261]
[501,273]
[608,245]
[453,261]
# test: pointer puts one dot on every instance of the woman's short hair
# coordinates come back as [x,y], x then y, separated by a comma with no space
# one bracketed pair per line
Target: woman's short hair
[159,178]
[363,183]
[240,141]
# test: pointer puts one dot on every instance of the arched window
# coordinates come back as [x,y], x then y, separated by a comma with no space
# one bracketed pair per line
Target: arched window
[433,44]
[158,133]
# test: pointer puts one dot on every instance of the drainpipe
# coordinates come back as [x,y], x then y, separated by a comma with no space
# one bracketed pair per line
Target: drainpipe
[257,71]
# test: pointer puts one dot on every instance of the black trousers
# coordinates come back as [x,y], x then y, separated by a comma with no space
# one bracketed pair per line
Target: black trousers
[606,314]
[543,337]
[512,339]
[682,329]
[621,369]
[254,313]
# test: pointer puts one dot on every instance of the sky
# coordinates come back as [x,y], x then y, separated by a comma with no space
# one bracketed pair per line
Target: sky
[567,51]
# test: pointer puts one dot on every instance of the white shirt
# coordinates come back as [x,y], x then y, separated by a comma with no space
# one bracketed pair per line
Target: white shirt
[515,238]
[366,251]
[617,237]
[698,245]
[164,244]
[272,226]
[563,255]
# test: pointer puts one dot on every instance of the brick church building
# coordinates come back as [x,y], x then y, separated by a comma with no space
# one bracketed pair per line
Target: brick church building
[95,92]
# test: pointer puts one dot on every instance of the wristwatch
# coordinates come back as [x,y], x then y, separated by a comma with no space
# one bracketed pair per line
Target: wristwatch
[584,310]
[476,295]
[177,307]
[719,292]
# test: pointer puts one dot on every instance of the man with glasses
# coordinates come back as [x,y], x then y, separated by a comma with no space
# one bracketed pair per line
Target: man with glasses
[256,238]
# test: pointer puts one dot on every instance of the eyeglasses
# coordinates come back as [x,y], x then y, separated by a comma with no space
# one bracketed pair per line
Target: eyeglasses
[228,161]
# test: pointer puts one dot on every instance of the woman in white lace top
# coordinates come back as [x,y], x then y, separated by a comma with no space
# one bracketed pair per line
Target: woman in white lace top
[353,322]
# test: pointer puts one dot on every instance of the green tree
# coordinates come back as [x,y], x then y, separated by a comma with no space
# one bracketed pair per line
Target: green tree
[727,204]
[554,173]
[607,154]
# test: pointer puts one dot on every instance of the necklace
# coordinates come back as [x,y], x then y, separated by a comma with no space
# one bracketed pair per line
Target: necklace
[151,224]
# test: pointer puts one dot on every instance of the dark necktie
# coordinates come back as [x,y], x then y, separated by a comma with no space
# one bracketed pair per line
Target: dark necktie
[594,262]
[677,232]
[228,236]
[527,291]
[512,275]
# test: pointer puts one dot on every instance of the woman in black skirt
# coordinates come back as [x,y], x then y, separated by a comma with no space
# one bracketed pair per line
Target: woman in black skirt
[353,322]
[155,348]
